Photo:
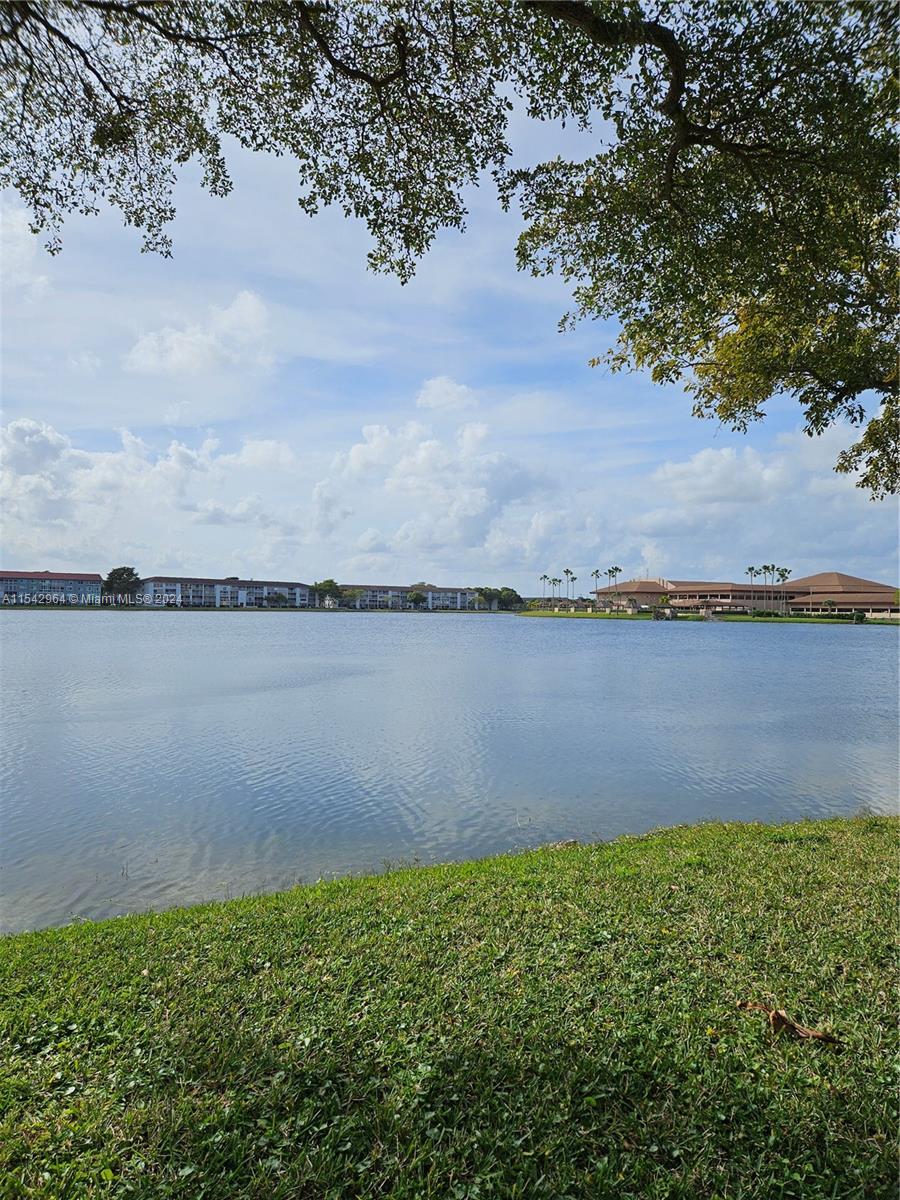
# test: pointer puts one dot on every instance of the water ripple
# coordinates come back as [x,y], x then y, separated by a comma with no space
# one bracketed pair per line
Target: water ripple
[157,759]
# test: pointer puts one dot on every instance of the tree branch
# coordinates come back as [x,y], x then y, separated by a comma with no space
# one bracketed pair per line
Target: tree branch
[346,69]
[636,32]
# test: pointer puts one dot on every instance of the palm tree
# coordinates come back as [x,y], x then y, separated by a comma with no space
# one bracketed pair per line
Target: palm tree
[615,572]
[545,579]
[769,569]
[567,574]
[752,572]
[784,574]
[574,577]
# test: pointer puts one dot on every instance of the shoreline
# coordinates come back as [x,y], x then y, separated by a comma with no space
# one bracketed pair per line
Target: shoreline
[559,1021]
[593,616]
[812,619]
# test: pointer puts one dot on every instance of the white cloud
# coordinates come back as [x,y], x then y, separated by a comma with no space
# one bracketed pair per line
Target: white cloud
[264,453]
[372,542]
[725,476]
[471,436]
[28,447]
[444,393]
[328,510]
[250,510]
[19,252]
[85,507]
[234,336]
[455,488]
[379,448]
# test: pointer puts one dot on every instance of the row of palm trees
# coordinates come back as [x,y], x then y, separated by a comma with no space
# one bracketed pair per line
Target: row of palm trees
[769,573]
[555,583]
[611,573]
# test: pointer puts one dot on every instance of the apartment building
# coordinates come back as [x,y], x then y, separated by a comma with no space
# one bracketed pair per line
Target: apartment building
[230,592]
[50,587]
[396,596]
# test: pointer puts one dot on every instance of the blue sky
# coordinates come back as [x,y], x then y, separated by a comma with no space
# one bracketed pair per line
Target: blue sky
[263,405]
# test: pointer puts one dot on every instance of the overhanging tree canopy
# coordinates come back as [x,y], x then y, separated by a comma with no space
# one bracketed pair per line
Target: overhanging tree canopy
[738,217]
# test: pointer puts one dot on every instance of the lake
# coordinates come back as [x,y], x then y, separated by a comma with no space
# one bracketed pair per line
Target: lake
[162,758]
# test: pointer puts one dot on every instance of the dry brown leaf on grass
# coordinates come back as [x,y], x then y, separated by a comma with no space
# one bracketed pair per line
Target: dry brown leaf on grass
[779,1020]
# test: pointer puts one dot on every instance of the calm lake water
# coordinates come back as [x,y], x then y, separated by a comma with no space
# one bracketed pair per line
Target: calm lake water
[153,759]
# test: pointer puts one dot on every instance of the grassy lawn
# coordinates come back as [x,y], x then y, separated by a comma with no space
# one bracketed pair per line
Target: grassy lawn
[594,616]
[560,1023]
[603,616]
[810,620]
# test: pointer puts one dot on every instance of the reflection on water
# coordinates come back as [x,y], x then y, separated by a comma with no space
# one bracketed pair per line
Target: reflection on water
[151,759]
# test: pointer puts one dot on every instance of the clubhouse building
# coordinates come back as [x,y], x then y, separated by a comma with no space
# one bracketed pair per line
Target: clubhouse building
[829,591]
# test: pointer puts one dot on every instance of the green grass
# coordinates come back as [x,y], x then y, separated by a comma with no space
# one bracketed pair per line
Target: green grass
[810,620]
[560,1023]
[594,616]
[645,616]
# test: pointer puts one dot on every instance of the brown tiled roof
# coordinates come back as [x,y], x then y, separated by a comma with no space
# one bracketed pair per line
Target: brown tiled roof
[51,575]
[647,586]
[835,581]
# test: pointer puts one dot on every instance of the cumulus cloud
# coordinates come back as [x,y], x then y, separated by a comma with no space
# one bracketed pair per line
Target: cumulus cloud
[455,488]
[379,448]
[444,393]
[28,447]
[234,336]
[62,501]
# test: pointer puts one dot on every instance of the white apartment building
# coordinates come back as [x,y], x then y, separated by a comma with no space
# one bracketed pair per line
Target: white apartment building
[189,592]
[185,592]
[396,596]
